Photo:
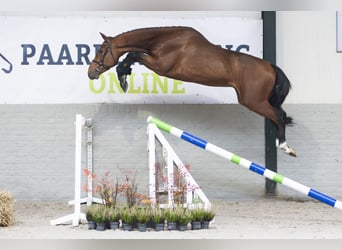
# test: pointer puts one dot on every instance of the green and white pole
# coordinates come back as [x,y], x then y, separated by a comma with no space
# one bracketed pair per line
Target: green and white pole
[245,163]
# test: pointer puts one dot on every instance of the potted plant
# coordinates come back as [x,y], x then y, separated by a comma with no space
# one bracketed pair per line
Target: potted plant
[128,218]
[171,218]
[143,216]
[90,216]
[100,217]
[113,217]
[158,218]
[183,218]
[207,217]
[197,215]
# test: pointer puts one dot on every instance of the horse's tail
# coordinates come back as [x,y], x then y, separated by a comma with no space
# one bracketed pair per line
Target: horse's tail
[282,84]
[289,120]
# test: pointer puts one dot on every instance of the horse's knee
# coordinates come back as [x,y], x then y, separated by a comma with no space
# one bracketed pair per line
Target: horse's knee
[122,71]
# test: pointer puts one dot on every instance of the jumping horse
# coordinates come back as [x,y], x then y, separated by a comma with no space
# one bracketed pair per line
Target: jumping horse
[184,54]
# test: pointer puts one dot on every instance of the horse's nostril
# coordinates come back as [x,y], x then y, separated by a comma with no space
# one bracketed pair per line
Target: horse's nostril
[92,75]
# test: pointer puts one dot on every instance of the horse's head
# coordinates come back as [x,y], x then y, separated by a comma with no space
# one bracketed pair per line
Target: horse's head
[105,58]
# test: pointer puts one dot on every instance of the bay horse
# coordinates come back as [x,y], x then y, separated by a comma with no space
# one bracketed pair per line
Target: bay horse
[184,54]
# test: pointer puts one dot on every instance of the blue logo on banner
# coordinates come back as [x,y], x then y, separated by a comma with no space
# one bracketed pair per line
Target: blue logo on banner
[45,55]
[7,67]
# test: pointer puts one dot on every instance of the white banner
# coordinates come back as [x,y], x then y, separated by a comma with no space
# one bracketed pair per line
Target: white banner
[45,59]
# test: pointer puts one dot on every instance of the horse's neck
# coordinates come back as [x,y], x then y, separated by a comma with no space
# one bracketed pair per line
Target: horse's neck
[136,40]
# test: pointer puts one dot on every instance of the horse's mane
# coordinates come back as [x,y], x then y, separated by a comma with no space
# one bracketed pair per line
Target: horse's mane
[147,29]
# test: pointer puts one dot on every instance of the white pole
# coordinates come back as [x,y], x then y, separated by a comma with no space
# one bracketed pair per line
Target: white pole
[246,163]
[78,161]
[77,215]
[172,158]
[89,161]
[170,179]
[151,147]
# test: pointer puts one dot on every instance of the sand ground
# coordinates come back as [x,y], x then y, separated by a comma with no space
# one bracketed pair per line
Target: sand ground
[263,218]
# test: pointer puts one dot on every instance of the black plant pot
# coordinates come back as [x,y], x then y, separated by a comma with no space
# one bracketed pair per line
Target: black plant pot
[183,227]
[142,227]
[114,225]
[171,226]
[127,227]
[91,225]
[159,227]
[196,225]
[205,224]
[101,226]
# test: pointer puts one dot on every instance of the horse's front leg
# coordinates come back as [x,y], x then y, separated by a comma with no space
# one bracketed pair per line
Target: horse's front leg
[124,68]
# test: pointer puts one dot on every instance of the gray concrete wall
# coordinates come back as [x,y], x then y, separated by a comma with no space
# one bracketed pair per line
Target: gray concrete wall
[37,147]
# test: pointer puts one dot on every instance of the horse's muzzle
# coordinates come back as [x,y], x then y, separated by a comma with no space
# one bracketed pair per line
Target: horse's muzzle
[93,75]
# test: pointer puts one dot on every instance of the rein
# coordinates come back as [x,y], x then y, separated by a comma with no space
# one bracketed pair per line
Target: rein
[101,63]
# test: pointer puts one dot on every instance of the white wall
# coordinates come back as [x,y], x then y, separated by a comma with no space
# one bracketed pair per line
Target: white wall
[306,50]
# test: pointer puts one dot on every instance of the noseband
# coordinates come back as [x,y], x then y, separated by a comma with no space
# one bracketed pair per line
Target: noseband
[101,63]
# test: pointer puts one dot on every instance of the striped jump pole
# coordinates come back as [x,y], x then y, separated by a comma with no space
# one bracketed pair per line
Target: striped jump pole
[245,163]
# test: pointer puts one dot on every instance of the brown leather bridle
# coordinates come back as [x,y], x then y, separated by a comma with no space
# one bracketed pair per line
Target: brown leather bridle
[101,63]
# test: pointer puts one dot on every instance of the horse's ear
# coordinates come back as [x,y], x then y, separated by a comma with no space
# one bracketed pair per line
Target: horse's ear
[103,36]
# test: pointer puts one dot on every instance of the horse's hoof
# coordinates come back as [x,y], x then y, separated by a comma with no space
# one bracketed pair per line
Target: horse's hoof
[292,153]
[123,83]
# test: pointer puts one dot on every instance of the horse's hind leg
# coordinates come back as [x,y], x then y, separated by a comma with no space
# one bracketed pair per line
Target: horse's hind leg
[282,120]
[278,117]
[281,125]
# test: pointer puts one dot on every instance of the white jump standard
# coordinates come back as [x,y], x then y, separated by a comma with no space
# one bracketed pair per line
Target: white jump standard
[194,197]
[245,163]
[77,216]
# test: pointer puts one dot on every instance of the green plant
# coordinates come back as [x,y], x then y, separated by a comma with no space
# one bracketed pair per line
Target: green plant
[158,215]
[99,213]
[128,215]
[90,213]
[183,216]
[208,215]
[143,215]
[113,214]
[171,215]
[197,214]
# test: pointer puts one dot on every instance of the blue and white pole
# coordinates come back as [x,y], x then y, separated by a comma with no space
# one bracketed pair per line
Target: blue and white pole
[245,163]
